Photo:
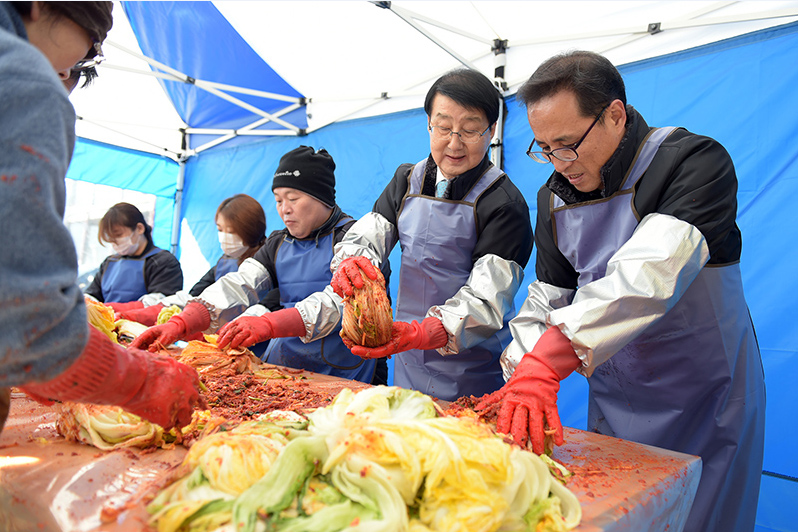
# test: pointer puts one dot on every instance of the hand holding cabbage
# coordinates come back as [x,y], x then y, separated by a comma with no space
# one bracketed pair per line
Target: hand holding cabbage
[429,334]
[348,276]
[529,399]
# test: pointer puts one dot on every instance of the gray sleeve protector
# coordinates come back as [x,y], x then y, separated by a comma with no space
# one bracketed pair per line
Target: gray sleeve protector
[644,280]
[477,311]
[231,295]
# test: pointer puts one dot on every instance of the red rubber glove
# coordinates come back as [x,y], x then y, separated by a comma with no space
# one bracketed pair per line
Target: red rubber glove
[155,387]
[249,330]
[146,316]
[429,334]
[121,307]
[347,276]
[529,399]
[194,319]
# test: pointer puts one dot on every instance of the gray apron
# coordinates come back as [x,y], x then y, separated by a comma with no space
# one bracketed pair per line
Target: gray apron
[438,238]
[693,381]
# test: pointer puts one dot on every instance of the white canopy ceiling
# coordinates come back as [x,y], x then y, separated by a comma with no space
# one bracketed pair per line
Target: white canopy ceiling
[355,59]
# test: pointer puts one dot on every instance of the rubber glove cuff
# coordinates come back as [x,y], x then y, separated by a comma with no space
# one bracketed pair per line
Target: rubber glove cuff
[554,349]
[194,319]
[430,334]
[286,323]
[146,316]
[89,378]
[121,307]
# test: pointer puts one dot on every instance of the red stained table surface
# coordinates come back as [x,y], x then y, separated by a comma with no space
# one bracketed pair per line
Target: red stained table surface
[78,488]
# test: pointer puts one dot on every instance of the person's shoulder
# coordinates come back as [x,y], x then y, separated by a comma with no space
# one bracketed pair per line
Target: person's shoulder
[682,137]
[694,147]
[14,48]
[36,110]
[276,235]
[163,256]
[403,171]
[266,252]
[22,64]
[503,191]
[348,223]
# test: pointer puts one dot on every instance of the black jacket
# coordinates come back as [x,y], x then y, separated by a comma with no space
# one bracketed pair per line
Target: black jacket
[162,274]
[503,226]
[691,178]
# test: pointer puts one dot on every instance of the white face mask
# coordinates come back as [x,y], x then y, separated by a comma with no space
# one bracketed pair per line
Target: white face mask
[232,246]
[127,245]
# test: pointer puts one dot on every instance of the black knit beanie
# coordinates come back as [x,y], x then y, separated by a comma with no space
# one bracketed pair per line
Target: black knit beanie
[312,172]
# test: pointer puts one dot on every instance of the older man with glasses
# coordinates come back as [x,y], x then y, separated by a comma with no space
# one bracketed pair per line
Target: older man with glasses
[466,236]
[639,289]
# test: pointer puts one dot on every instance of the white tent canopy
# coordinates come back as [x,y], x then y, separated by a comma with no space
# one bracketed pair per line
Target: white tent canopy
[355,59]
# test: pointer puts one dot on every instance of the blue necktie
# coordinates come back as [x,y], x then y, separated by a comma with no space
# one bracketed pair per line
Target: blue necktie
[441,188]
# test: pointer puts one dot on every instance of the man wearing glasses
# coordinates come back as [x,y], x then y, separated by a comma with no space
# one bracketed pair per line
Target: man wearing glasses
[466,236]
[638,289]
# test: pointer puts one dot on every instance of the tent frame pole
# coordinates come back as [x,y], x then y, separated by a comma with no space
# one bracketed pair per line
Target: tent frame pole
[178,206]
[411,18]
[218,90]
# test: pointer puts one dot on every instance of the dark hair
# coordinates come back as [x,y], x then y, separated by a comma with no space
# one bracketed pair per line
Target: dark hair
[592,77]
[94,17]
[125,215]
[469,88]
[248,220]
[88,75]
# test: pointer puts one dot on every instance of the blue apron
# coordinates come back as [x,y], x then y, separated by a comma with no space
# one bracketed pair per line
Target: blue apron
[224,266]
[438,238]
[303,267]
[123,279]
[692,382]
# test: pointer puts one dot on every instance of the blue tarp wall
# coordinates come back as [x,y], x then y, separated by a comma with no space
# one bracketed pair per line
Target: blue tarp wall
[740,91]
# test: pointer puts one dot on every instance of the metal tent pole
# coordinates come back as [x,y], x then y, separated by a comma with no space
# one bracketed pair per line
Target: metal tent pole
[499,61]
[178,207]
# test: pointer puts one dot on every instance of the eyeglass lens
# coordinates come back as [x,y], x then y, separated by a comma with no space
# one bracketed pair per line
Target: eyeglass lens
[466,135]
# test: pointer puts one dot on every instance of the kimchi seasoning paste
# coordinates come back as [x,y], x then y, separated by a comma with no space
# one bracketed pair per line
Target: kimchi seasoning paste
[243,397]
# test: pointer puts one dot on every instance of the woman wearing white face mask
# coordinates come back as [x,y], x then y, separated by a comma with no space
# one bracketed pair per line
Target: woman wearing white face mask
[137,267]
[241,224]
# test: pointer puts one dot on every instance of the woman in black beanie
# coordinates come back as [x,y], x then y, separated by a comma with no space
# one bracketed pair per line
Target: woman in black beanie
[304,334]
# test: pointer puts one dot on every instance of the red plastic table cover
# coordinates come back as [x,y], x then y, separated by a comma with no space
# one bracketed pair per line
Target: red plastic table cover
[48,485]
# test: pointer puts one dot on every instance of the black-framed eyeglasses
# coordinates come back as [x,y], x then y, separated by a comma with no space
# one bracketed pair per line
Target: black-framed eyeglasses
[90,62]
[566,154]
[468,136]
